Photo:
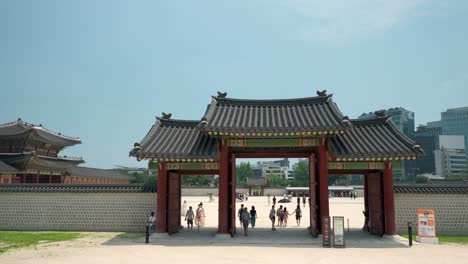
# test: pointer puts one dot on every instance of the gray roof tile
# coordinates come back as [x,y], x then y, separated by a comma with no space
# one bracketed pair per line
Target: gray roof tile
[285,115]
[373,138]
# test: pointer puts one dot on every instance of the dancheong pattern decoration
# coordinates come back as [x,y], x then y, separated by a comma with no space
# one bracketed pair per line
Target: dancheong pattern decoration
[192,166]
[272,142]
[356,165]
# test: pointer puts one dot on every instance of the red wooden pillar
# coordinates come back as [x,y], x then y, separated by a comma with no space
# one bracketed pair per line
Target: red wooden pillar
[161,210]
[323,181]
[389,203]
[50,178]
[223,206]
[314,230]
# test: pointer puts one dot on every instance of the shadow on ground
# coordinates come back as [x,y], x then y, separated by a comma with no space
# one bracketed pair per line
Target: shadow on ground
[258,237]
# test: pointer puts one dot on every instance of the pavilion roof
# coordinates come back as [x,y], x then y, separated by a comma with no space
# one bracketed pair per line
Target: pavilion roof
[309,114]
[5,168]
[85,172]
[370,139]
[175,139]
[20,127]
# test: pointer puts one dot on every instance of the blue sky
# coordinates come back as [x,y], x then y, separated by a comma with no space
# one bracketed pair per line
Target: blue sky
[102,70]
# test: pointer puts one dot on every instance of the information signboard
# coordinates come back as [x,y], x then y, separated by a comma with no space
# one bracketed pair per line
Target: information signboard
[338,231]
[426,223]
[326,242]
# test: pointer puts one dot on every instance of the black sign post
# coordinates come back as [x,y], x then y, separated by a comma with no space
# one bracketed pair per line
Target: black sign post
[338,232]
[326,241]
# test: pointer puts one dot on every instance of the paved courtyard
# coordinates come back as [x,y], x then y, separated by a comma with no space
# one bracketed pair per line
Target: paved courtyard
[291,244]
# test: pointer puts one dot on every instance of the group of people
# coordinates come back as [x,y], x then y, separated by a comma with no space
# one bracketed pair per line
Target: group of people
[242,196]
[246,218]
[282,214]
[190,216]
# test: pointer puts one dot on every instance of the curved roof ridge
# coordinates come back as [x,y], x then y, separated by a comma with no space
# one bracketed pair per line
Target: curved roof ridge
[312,99]
[178,122]
[28,127]
[369,121]
[56,134]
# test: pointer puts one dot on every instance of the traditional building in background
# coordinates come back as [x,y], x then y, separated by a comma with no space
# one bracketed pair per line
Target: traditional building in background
[403,120]
[29,154]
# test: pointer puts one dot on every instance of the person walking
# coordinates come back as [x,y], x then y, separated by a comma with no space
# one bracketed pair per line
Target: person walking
[184,208]
[298,200]
[272,217]
[278,215]
[253,216]
[200,216]
[245,216]
[189,215]
[303,199]
[274,200]
[285,217]
[239,213]
[298,214]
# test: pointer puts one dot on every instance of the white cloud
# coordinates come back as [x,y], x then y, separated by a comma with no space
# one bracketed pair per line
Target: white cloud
[342,20]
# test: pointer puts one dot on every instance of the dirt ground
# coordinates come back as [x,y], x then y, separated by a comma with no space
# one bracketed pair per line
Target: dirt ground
[113,248]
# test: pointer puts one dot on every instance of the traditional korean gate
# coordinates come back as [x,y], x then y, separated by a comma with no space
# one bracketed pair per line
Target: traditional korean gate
[173,202]
[232,197]
[375,203]
[312,197]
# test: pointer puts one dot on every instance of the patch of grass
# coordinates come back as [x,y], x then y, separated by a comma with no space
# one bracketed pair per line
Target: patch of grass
[446,239]
[11,239]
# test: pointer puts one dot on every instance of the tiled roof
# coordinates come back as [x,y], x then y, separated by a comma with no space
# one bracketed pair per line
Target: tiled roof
[169,138]
[5,168]
[20,127]
[85,172]
[310,114]
[436,189]
[373,138]
[82,188]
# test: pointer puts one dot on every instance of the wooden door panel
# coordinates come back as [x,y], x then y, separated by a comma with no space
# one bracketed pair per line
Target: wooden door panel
[173,203]
[375,203]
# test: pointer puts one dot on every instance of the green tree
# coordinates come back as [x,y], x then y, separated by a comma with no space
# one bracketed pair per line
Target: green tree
[196,180]
[421,179]
[301,174]
[243,170]
[458,176]
[275,180]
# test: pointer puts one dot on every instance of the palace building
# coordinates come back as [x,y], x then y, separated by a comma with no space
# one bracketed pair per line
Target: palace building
[30,154]
[311,127]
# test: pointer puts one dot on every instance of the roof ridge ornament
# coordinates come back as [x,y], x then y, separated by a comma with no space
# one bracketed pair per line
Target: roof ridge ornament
[322,93]
[380,113]
[204,121]
[166,116]
[346,121]
[222,95]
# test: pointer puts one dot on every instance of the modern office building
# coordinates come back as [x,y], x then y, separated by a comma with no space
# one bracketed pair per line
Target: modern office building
[276,167]
[450,159]
[455,122]
[403,119]
[427,136]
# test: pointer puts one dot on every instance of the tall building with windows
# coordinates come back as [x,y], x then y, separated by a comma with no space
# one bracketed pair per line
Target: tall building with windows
[427,136]
[403,119]
[450,159]
[455,122]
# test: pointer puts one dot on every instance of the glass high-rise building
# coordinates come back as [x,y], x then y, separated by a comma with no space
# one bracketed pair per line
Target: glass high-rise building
[455,122]
[403,119]
[427,136]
